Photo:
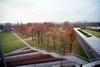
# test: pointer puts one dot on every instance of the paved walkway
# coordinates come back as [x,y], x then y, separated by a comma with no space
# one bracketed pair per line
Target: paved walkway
[92,64]
[48,64]
[71,58]
[75,59]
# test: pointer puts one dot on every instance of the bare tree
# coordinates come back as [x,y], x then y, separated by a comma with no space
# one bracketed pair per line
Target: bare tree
[66,24]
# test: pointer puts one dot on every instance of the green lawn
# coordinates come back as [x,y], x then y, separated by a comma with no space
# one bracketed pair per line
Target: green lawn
[50,48]
[10,42]
[79,50]
[7,37]
[95,33]
[12,46]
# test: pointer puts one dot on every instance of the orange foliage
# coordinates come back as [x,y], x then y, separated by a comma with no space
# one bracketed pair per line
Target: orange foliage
[49,30]
[70,35]
[54,31]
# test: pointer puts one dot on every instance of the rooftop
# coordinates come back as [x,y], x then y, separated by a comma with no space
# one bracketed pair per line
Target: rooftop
[92,41]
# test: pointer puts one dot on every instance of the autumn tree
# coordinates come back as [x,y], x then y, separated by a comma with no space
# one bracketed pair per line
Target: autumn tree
[50,31]
[27,28]
[47,34]
[62,38]
[48,26]
[54,31]
[18,28]
[32,32]
[70,36]
[43,30]
[38,28]
[24,28]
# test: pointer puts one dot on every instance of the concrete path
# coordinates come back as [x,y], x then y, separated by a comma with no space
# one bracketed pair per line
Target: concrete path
[49,64]
[92,64]
[71,58]
[75,59]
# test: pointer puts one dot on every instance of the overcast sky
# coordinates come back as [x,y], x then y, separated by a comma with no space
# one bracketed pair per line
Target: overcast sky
[49,10]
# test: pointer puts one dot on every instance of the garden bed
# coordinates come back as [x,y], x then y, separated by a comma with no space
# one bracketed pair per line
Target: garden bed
[41,58]
[84,33]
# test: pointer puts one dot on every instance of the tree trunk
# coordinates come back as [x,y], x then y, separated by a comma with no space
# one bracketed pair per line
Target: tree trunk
[32,37]
[64,48]
[54,45]
[35,38]
[47,42]
[70,48]
[27,35]
[42,40]
[38,37]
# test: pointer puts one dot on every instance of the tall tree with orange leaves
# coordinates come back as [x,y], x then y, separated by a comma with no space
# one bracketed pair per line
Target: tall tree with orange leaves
[43,29]
[47,34]
[38,30]
[32,32]
[70,36]
[62,38]
[54,31]
[24,29]
[48,26]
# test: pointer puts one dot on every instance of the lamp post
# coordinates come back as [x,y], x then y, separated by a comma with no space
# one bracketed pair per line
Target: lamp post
[2,55]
